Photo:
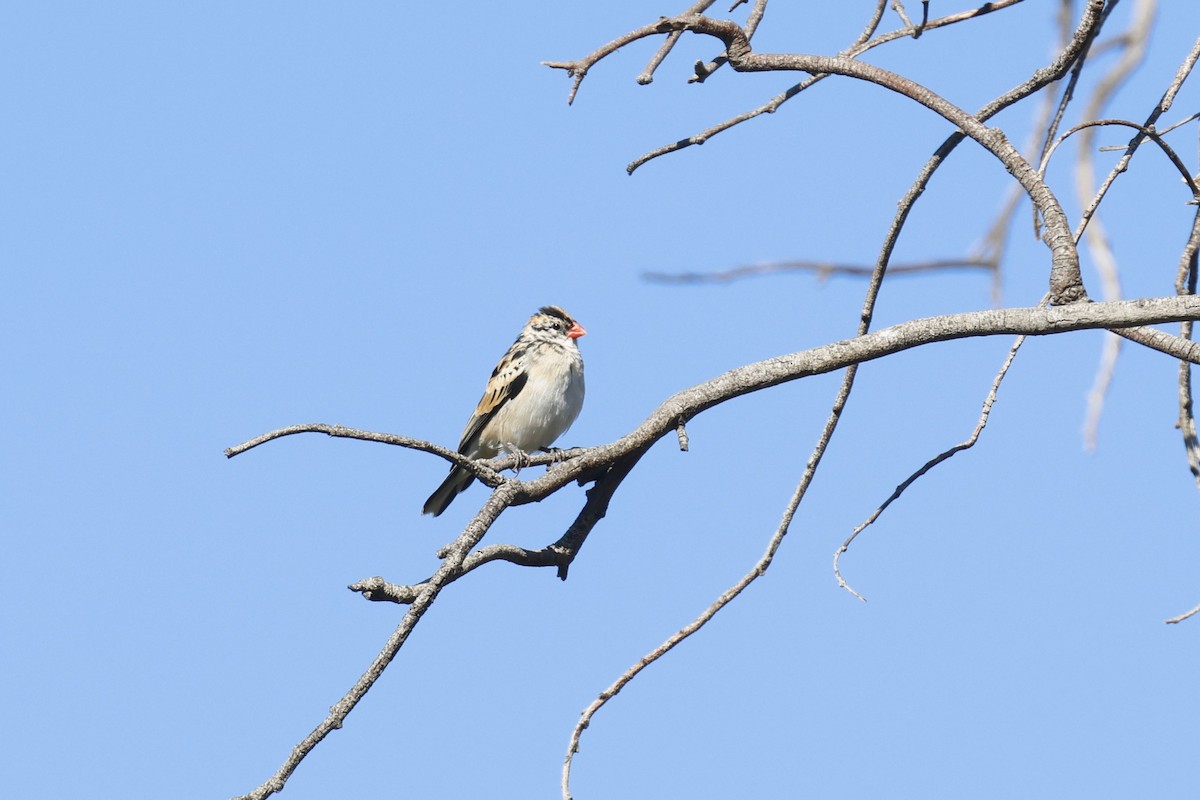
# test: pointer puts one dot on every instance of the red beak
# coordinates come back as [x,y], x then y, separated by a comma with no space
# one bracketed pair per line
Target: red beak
[576,331]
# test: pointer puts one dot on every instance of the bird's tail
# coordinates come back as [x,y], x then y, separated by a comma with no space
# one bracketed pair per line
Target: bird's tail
[458,480]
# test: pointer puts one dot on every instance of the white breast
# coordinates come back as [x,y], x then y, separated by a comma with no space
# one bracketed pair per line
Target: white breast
[545,407]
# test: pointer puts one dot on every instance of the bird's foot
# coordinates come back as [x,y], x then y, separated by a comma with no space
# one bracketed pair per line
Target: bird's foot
[520,455]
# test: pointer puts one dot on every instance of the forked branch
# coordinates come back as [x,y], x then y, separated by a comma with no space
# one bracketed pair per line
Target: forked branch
[608,464]
[1066,282]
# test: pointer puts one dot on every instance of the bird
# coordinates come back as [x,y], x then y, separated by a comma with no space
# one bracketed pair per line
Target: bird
[534,395]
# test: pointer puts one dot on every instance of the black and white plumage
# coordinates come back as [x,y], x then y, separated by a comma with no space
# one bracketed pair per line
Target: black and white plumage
[533,396]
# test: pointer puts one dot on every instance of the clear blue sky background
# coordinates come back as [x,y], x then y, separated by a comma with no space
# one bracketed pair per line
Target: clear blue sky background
[222,218]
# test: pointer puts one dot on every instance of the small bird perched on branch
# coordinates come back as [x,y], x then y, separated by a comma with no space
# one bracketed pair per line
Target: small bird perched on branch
[533,396]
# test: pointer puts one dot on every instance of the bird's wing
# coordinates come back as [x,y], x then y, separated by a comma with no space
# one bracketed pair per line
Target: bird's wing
[507,381]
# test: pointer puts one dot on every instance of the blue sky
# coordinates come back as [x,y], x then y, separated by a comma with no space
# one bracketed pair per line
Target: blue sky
[221,219]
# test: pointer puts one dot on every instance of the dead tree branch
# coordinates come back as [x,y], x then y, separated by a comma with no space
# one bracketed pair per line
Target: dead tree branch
[1066,283]
[614,460]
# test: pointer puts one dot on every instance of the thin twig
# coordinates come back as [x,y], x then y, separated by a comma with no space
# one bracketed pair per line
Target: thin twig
[560,554]
[1185,284]
[824,270]
[759,569]
[1183,616]
[1066,283]
[771,106]
[1144,132]
[968,443]
[872,26]
[1161,132]
[487,471]
[1133,43]
[1074,46]
[420,604]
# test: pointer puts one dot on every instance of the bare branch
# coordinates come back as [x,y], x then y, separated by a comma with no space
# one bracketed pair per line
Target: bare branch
[419,605]
[343,432]
[869,31]
[681,432]
[560,554]
[904,17]
[1134,42]
[1185,284]
[860,46]
[1127,315]
[608,464]
[702,70]
[1076,71]
[994,245]
[1163,342]
[1144,132]
[487,471]
[968,443]
[646,76]
[757,571]
[1183,616]
[1066,283]
[764,563]
[594,510]
[917,30]
[824,270]
[1162,132]
[379,590]
[898,7]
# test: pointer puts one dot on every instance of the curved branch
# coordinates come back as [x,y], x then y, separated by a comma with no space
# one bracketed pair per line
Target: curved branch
[1185,284]
[1163,105]
[345,433]
[860,46]
[1185,615]
[757,571]
[702,70]
[984,413]
[1066,282]
[1144,132]
[611,462]
[823,269]
[342,432]
[1127,316]
[486,470]
[560,554]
